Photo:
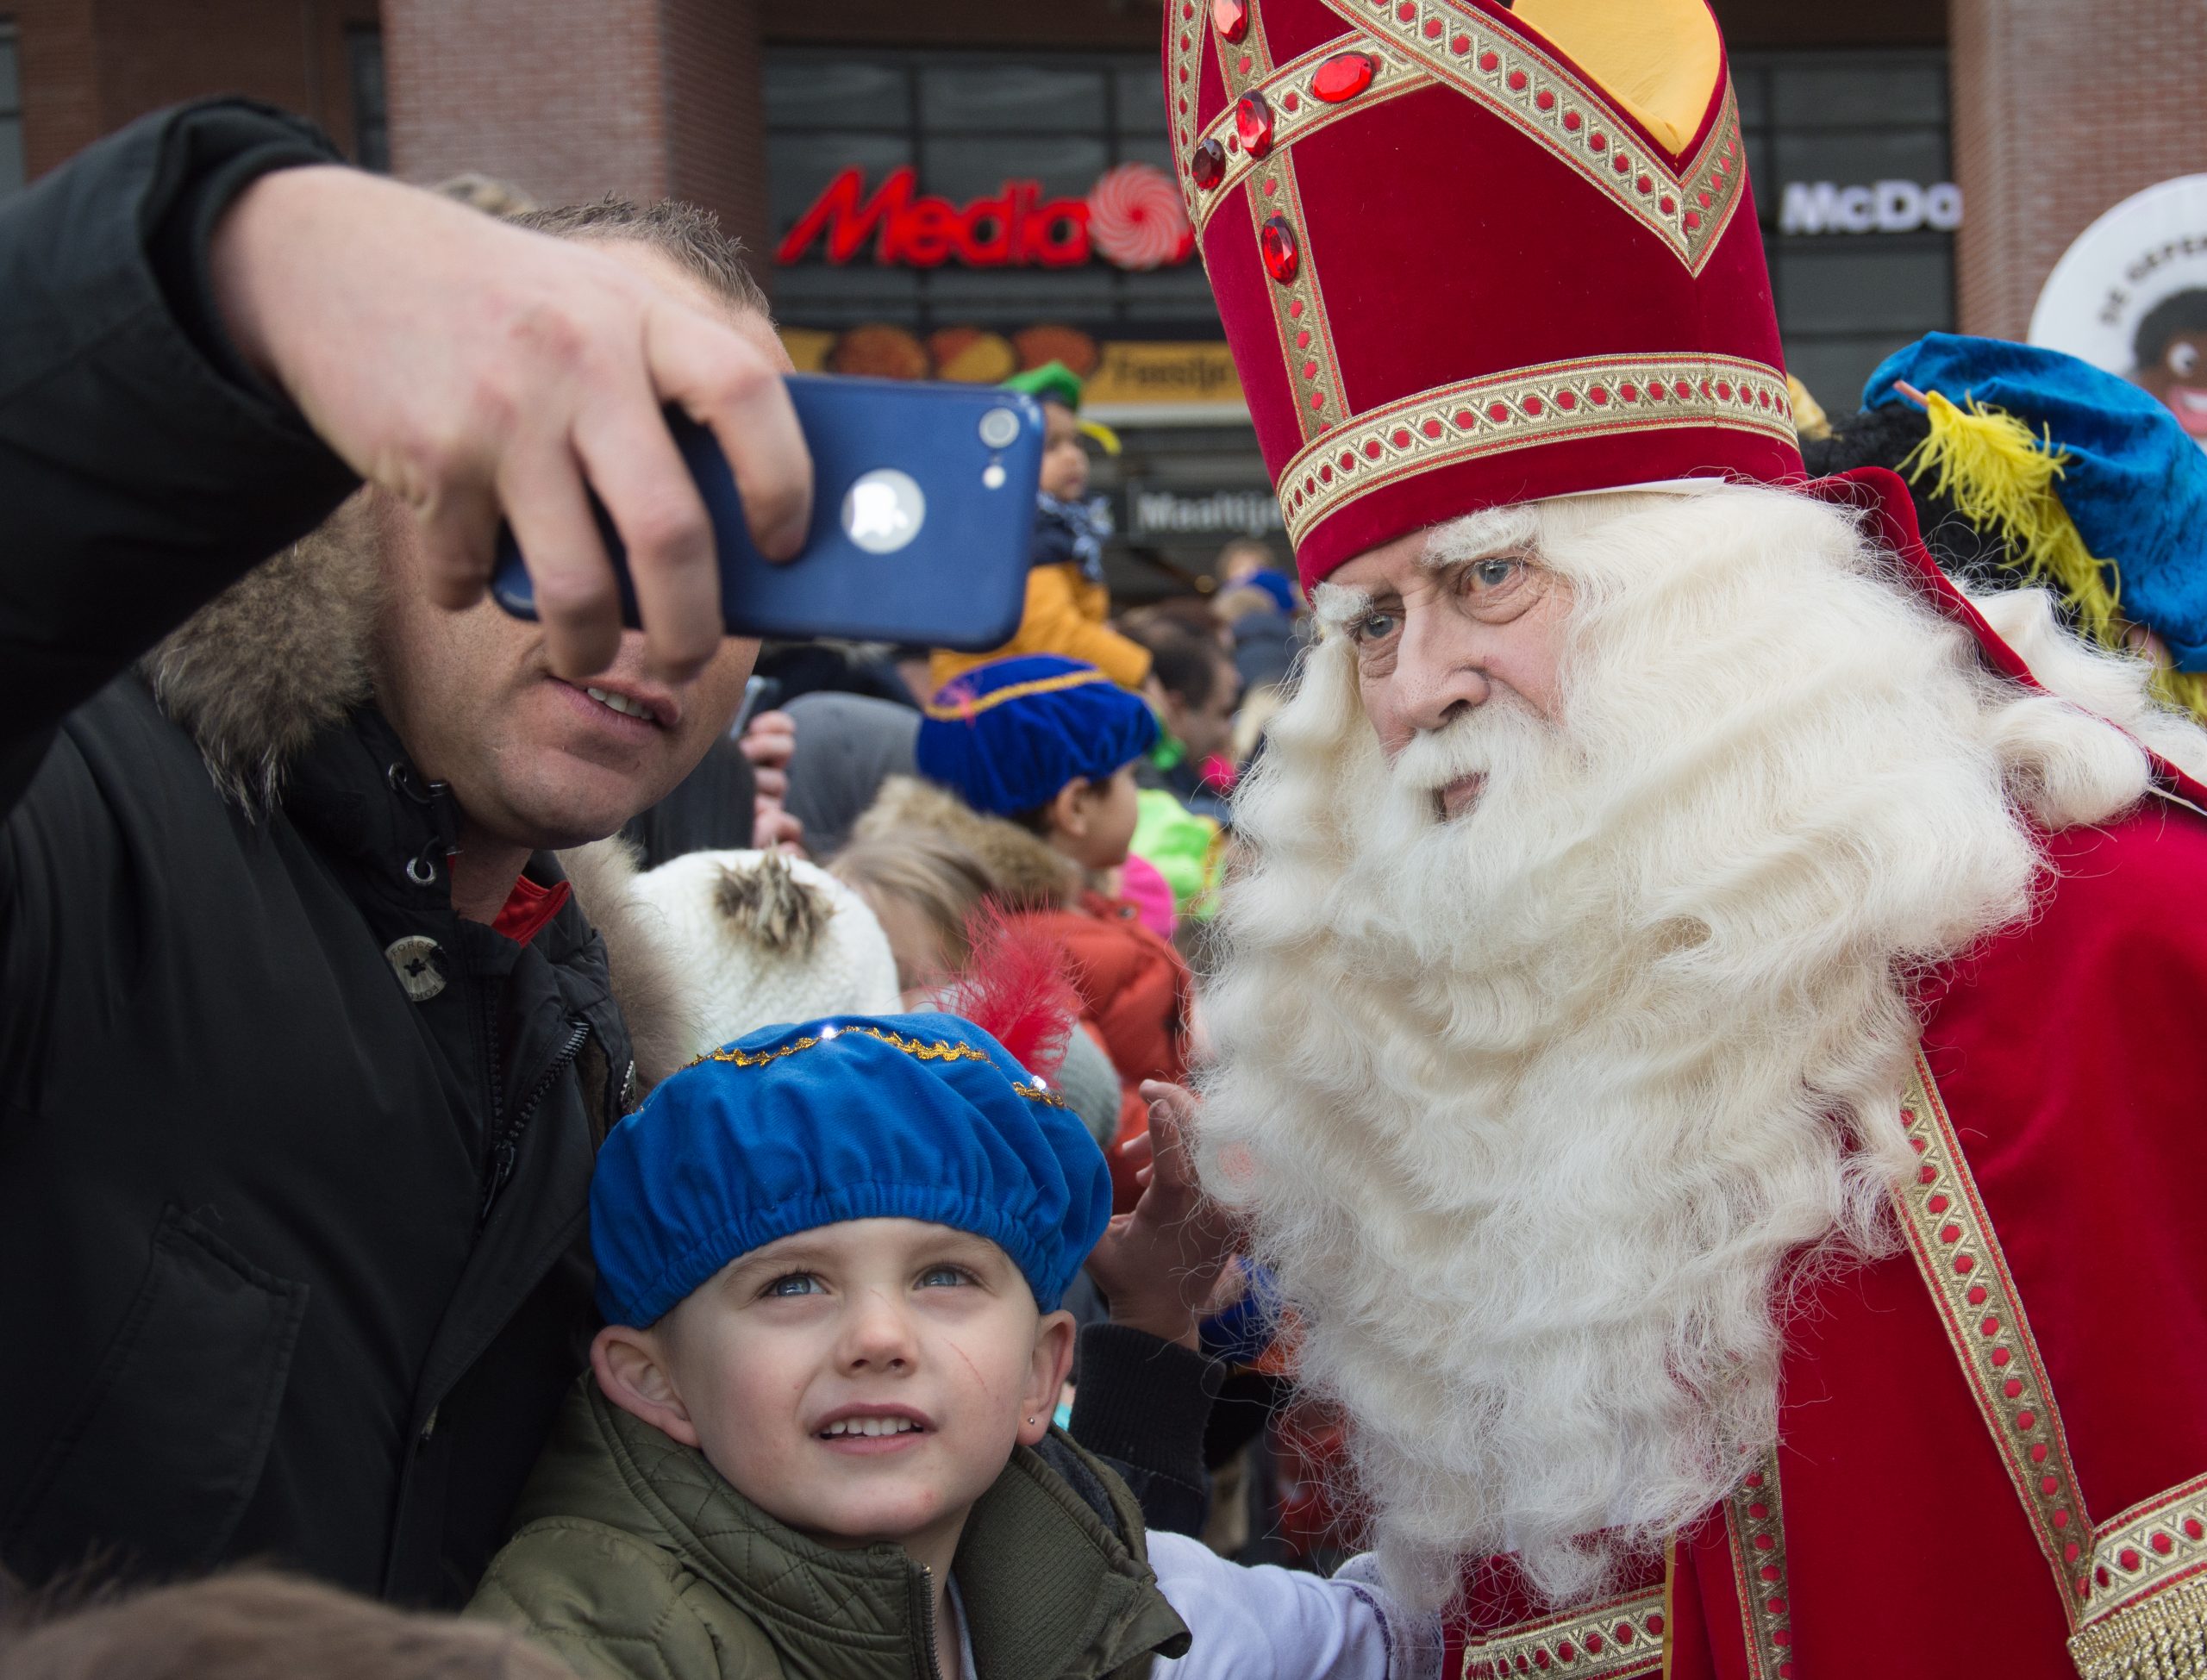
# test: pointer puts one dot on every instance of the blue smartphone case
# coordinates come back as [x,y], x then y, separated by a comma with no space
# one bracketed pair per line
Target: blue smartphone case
[922,518]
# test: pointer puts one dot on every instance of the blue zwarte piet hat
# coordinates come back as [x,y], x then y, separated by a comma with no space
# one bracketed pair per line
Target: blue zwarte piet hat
[913,1116]
[1009,734]
[2091,481]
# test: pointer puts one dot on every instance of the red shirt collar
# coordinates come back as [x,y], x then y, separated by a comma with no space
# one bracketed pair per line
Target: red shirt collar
[528,907]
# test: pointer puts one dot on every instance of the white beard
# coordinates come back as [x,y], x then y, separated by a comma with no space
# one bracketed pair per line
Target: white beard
[1538,1113]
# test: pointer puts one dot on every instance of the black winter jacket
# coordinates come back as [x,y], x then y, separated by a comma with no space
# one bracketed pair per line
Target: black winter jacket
[293,1162]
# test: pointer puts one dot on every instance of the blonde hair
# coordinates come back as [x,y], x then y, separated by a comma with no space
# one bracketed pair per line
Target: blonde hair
[938,878]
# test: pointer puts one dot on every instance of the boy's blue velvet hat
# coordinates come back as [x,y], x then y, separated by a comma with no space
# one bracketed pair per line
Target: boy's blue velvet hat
[1009,734]
[2130,480]
[916,1116]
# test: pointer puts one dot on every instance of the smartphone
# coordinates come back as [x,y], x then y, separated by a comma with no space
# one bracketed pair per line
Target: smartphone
[922,517]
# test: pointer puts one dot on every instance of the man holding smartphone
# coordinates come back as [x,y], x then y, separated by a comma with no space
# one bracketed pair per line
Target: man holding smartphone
[304,1051]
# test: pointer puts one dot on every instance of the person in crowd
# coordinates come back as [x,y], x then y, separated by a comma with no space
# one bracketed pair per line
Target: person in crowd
[759,938]
[1265,637]
[1249,563]
[848,744]
[929,892]
[252,1624]
[1067,601]
[2029,468]
[816,1438]
[1702,982]
[1200,692]
[1029,766]
[303,1045]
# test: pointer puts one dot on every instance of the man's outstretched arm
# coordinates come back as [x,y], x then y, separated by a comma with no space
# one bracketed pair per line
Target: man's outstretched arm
[141,470]
[208,334]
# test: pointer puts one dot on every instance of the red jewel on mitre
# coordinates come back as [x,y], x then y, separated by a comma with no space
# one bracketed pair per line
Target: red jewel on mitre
[1457,273]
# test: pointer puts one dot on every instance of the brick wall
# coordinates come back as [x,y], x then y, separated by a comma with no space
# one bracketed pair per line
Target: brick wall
[89,68]
[571,99]
[2062,109]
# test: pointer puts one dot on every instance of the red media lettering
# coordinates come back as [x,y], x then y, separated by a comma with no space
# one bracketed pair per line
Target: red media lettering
[1018,228]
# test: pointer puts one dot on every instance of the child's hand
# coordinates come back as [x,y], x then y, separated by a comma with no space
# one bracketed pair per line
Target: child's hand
[1157,1266]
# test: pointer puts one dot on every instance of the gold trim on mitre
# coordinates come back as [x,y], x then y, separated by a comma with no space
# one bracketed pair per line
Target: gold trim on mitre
[1590,396]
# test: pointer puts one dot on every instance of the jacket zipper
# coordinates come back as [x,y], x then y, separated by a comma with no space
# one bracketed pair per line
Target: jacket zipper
[505,1146]
[927,1621]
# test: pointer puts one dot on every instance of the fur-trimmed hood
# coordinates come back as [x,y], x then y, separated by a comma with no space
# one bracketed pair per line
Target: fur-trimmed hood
[283,655]
[1021,867]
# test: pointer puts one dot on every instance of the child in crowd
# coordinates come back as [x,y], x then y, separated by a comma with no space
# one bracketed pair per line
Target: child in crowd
[816,1440]
[1041,753]
[927,893]
[1067,603]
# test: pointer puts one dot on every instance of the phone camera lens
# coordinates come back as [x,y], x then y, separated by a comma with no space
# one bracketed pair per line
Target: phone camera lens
[999,428]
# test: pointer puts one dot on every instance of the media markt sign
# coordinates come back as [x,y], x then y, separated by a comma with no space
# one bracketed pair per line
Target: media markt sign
[1133,218]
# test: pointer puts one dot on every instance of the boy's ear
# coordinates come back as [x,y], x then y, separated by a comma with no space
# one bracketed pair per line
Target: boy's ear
[1068,808]
[632,1373]
[1052,1364]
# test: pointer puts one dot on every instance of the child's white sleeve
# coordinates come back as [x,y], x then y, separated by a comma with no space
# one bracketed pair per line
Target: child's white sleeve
[1265,1623]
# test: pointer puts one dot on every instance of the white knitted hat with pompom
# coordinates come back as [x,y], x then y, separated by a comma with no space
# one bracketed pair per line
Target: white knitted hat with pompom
[758,938]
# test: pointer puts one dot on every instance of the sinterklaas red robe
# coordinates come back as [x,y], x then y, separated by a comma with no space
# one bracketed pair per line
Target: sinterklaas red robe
[1992,1447]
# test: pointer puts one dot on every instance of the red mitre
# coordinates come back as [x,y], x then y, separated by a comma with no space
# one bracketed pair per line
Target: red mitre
[1457,271]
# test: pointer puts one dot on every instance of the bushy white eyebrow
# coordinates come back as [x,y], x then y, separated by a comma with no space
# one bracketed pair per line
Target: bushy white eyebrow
[1337,606]
[1483,535]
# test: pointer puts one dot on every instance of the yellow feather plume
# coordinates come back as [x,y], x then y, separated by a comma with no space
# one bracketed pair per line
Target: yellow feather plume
[2000,477]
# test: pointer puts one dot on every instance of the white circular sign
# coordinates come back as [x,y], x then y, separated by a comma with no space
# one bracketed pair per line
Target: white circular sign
[2130,296]
[884,510]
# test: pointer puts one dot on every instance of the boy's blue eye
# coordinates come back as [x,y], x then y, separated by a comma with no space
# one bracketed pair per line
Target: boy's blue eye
[944,1277]
[795,1284]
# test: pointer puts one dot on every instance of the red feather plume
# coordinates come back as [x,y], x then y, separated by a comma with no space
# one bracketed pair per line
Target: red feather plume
[1015,989]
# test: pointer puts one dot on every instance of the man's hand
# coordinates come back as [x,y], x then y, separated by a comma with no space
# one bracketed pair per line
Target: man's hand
[1158,1264]
[469,366]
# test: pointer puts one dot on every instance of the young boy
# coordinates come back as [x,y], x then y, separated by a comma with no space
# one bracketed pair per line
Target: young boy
[1048,746]
[1067,602]
[816,1440]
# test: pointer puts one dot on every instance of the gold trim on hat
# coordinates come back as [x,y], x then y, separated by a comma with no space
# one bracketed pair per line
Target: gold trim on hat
[1550,403]
[967,706]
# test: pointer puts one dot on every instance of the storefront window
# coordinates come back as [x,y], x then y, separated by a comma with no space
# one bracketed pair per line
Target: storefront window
[11,114]
[1851,161]
[1006,138]
[371,114]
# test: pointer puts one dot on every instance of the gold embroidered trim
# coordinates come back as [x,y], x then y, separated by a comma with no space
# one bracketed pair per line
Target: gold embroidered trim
[2147,1550]
[1241,65]
[928,1050]
[976,704]
[1593,396]
[1962,1263]
[1297,113]
[1688,209]
[2163,1636]
[1754,1519]
[1306,333]
[1614,1640]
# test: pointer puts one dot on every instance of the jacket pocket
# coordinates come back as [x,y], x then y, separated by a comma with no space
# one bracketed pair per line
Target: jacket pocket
[155,1465]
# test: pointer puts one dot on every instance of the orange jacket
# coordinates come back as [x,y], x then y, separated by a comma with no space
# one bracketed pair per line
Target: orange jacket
[1065,615]
[1135,990]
